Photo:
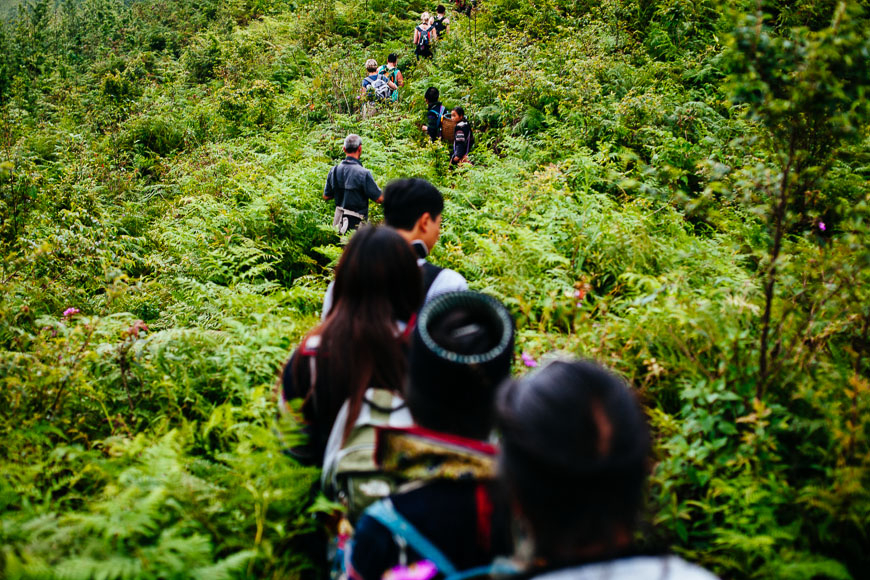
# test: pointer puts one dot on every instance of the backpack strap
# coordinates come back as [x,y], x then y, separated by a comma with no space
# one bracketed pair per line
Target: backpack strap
[385,512]
[496,569]
[430,272]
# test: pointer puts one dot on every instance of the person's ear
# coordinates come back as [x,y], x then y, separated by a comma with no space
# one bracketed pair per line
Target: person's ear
[425,221]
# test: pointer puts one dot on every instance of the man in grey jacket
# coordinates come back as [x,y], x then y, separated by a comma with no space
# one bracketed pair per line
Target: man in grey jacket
[351,186]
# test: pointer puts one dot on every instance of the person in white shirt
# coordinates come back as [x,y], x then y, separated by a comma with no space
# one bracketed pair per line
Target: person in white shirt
[414,208]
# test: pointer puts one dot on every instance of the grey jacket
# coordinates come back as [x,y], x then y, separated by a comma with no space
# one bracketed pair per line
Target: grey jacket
[352,186]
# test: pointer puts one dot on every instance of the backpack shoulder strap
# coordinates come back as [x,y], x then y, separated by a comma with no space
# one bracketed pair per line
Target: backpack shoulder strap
[430,272]
[496,569]
[385,512]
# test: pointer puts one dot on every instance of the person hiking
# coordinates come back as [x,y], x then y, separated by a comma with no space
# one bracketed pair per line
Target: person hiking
[442,22]
[465,6]
[376,86]
[424,36]
[393,74]
[415,208]
[575,454]
[359,345]
[461,351]
[351,364]
[435,113]
[463,139]
[351,186]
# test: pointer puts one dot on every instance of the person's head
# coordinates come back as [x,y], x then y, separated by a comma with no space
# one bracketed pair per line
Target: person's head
[414,207]
[377,284]
[371,66]
[353,145]
[431,20]
[392,58]
[461,351]
[424,18]
[432,95]
[377,271]
[574,458]
[458,113]
[440,10]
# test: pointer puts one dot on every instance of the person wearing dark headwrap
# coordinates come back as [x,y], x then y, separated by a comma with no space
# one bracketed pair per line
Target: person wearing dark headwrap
[461,351]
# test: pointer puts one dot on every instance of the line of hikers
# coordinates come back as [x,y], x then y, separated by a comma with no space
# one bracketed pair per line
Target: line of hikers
[381,84]
[351,186]
[444,465]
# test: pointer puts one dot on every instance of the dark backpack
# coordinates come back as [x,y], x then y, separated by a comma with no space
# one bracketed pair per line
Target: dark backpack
[439,25]
[423,43]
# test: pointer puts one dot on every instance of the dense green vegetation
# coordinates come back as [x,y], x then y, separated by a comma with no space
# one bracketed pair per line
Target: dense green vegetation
[678,192]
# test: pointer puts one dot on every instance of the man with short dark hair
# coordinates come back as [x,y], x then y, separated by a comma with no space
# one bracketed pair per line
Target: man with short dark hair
[413,207]
[351,186]
[442,22]
[393,74]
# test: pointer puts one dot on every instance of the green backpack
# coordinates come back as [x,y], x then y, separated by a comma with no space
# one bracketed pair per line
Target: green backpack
[350,474]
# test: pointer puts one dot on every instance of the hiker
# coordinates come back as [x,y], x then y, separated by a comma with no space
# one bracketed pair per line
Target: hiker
[424,36]
[463,139]
[442,22]
[435,113]
[393,74]
[460,352]
[351,186]
[414,207]
[465,6]
[575,454]
[359,345]
[376,86]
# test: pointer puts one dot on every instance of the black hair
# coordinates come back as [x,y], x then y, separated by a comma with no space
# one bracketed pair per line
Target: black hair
[392,57]
[406,200]
[440,9]
[460,111]
[377,282]
[432,95]
[575,446]
[461,351]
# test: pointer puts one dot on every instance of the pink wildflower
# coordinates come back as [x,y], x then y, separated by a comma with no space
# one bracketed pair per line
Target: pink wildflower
[528,360]
[70,312]
[136,328]
[822,226]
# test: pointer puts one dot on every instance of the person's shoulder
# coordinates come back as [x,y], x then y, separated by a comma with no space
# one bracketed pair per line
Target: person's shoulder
[447,281]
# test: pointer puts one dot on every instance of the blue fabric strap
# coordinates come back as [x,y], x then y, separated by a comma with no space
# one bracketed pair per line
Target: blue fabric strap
[385,513]
[495,569]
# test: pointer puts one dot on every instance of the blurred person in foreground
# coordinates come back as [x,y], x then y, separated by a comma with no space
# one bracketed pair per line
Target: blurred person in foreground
[574,460]
[460,352]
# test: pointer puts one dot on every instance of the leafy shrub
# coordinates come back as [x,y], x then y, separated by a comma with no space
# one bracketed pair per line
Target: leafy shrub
[252,106]
[202,58]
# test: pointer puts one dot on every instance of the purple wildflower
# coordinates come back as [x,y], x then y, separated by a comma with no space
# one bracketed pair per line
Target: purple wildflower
[70,312]
[822,226]
[423,570]
[528,360]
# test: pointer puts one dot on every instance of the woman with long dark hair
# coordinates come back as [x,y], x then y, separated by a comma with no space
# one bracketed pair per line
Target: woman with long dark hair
[360,344]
